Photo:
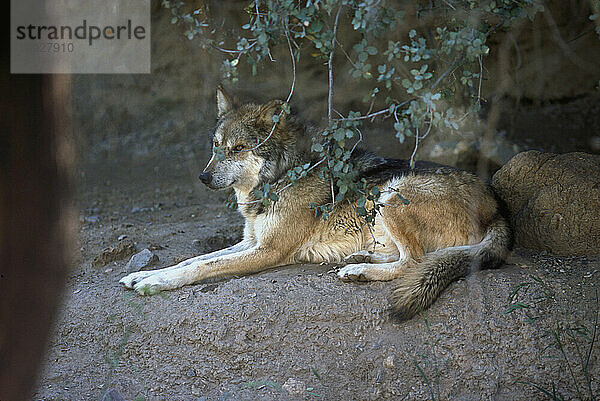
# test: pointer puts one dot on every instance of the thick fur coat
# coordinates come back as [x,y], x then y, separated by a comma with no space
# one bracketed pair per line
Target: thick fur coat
[450,226]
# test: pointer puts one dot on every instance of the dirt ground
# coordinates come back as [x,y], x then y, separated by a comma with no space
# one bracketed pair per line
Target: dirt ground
[297,332]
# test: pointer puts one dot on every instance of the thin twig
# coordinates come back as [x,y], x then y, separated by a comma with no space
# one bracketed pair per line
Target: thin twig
[330,66]
[414,153]
[238,52]
[345,52]
[449,5]
[559,345]
[309,169]
[494,28]
[360,138]
[374,114]
[364,222]
[287,35]
[331,180]
[480,79]
[279,191]
[450,69]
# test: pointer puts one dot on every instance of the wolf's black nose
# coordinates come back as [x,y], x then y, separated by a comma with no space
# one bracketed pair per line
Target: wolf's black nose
[205,177]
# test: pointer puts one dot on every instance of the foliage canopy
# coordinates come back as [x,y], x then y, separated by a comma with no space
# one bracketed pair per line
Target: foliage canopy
[415,79]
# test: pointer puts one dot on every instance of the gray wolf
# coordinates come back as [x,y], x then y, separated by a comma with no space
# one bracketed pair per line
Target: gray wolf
[450,226]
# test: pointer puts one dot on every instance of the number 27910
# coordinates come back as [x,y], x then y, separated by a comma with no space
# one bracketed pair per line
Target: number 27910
[55,47]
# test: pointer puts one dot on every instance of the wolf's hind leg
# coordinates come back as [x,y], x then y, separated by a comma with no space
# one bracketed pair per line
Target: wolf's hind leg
[371,257]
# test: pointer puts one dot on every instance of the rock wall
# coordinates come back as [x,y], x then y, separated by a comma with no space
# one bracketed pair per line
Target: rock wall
[554,201]
[142,114]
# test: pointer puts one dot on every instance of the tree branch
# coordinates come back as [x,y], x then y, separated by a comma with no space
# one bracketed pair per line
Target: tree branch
[330,66]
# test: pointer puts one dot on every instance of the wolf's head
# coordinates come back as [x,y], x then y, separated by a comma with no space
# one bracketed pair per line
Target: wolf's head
[248,150]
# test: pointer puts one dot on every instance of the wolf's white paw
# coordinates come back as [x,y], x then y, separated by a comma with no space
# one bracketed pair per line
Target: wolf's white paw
[353,273]
[131,279]
[358,257]
[151,285]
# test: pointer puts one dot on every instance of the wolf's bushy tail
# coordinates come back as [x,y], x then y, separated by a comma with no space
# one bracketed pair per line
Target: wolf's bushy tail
[424,281]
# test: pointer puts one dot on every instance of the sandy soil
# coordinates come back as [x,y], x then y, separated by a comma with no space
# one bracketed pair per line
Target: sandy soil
[296,332]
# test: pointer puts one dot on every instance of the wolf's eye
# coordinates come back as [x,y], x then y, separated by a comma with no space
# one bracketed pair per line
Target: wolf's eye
[238,148]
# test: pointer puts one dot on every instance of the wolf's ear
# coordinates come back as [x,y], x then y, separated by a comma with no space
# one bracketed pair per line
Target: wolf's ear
[271,109]
[225,102]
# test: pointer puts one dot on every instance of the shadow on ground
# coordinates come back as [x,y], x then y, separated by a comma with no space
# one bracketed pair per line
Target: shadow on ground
[298,332]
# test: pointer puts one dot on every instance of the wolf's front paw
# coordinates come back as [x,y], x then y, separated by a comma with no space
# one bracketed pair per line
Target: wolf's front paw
[131,279]
[352,273]
[151,285]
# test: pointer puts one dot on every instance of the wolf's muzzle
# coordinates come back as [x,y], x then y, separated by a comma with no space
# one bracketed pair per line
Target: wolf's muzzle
[205,177]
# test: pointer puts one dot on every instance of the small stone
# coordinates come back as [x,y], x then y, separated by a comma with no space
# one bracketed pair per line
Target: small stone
[110,269]
[388,362]
[121,237]
[112,395]
[191,372]
[91,219]
[294,387]
[140,260]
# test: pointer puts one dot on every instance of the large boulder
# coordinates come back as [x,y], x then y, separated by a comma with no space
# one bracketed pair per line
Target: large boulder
[553,201]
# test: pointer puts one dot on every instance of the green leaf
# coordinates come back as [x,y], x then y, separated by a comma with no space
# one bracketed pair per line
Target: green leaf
[339,134]
[316,26]
[372,50]
[516,306]
[403,199]
[275,118]
[317,147]
[359,47]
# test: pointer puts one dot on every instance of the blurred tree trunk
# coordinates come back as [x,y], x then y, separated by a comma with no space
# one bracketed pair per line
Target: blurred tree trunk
[36,159]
